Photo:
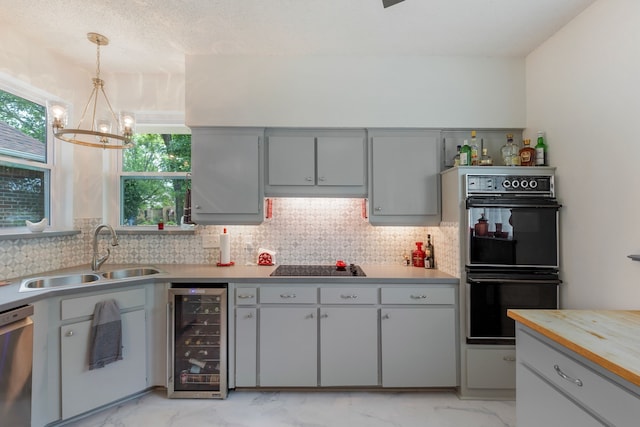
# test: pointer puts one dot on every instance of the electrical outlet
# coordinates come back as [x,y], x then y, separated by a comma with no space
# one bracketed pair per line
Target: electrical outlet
[210,241]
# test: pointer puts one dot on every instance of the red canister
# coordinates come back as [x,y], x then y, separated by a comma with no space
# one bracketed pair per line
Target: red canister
[417,255]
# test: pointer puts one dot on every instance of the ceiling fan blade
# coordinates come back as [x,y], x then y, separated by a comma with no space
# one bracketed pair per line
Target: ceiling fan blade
[387,3]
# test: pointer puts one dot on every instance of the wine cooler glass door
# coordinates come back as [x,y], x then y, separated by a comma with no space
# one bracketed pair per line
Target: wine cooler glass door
[198,361]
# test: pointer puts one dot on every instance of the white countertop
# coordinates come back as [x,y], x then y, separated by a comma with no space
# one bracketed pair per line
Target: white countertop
[10,297]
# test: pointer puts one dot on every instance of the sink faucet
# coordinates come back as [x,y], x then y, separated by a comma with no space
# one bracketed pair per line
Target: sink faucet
[97,261]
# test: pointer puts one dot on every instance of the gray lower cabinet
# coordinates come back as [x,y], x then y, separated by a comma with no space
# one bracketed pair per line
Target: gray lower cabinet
[288,347]
[83,389]
[557,387]
[246,361]
[404,177]
[348,346]
[227,184]
[285,337]
[418,337]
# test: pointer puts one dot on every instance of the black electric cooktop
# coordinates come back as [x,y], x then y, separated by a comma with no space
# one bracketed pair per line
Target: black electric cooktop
[318,270]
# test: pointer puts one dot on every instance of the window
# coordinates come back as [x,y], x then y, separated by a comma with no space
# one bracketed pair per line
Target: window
[153,180]
[24,168]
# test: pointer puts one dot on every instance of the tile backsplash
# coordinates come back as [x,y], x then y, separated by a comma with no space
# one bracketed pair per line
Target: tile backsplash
[302,231]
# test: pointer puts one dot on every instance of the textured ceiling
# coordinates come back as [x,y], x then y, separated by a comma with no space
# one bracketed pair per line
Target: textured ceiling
[154,35]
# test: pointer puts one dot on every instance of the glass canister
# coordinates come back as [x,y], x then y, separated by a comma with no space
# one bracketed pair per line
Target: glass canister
[510,152]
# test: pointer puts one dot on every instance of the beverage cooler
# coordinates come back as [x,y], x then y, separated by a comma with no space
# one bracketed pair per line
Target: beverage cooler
[197,341]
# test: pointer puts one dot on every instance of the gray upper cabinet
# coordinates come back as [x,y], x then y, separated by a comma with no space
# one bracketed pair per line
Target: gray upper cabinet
[227,185]
[404,177]
[316,163]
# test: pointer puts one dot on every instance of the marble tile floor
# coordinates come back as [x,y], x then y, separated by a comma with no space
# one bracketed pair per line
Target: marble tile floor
[307,409]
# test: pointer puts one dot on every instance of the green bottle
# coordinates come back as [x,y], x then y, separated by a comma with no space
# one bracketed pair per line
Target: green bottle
[465,154]
[541,150]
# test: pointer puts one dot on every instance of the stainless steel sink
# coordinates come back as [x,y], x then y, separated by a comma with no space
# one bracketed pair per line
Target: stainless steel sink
[126,273]
[57,281]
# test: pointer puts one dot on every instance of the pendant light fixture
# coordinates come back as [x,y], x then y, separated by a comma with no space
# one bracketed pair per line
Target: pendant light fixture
[106,130]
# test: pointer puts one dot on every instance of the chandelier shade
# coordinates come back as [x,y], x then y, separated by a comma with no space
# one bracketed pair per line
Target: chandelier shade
[105,129]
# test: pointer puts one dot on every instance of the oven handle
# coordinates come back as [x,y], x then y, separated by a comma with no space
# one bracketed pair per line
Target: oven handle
[517,281]
[497,202]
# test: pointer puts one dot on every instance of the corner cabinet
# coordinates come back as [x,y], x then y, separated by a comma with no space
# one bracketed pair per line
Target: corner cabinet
[316,163]
[84,389]
[227,185]
[404,177]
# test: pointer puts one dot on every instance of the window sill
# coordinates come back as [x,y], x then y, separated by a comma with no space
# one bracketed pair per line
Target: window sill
[24,233]
[153,230]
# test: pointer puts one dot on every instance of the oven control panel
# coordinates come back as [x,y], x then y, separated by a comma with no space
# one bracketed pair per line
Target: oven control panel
[539,185]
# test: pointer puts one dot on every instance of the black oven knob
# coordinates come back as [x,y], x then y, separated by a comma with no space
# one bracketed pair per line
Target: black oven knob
[524,183]
[515,183]
[506,183]
[533,183]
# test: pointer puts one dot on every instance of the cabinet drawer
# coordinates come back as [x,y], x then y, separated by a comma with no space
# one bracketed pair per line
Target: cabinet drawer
[617,405]
[84,306]
[491,368]
[349,295]
[288,295]
[424,295]
[246,296]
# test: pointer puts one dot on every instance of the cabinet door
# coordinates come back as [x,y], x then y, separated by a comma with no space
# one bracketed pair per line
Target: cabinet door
[84,390]
[226,179]
[539,404]
[418,347]
[341,161]
[405,177]
[349,346]
[246,347]
[291,160]
[288,347]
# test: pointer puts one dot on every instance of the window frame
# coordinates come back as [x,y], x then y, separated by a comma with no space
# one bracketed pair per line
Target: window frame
[147,124]
[39,97]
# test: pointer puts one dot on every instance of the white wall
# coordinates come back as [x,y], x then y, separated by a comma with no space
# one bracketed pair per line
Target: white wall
[340,91]
[583,89]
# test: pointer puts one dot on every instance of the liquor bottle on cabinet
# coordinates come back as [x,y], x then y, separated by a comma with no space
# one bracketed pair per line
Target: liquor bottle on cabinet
[198,346]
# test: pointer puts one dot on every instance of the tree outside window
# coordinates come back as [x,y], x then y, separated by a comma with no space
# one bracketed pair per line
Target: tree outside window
[154,179]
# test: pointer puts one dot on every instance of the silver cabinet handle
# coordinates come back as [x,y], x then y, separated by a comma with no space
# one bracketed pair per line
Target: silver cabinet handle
[308,178]
[246,296]
[287,296]
[310,316]
[197,206]
[322,178]
[69,333]
[418,297]
[567,377]
[352,296]
[385,316]
[509,358]
[249,316]
[324,315]
[377,209]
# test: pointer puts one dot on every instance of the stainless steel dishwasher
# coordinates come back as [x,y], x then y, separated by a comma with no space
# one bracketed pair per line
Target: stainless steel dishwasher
[16,353]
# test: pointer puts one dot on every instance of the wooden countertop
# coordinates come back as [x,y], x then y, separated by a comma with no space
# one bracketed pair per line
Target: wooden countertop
[609,338]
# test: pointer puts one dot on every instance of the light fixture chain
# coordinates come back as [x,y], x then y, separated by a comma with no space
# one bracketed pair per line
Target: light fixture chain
[98,60]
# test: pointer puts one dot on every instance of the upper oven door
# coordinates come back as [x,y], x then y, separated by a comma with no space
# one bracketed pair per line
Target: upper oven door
[518,232]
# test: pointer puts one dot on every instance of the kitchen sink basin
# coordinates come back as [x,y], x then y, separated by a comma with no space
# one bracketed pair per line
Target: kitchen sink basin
[126,273]
[57,281]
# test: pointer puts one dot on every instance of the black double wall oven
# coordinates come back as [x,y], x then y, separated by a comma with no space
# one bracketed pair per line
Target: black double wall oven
[512,251]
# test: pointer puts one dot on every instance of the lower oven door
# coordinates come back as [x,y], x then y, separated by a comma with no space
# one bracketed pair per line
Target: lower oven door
[488,300]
